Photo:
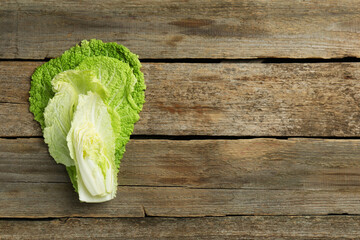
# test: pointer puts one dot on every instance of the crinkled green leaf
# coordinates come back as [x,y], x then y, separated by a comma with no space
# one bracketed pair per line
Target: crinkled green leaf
[41,91]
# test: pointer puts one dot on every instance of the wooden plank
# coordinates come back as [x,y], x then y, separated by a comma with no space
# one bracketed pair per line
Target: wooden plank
[184,29]
[43,200]
[16,120]
[15,80]
[234,99]
[30,200]
[295,164]
[240,227]
[192,178]
[28,160]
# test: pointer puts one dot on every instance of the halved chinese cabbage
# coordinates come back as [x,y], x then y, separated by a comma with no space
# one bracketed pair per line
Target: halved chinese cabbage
[91,142]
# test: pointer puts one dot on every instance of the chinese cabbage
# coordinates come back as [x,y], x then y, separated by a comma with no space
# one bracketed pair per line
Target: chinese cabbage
[91,142]
[65,94]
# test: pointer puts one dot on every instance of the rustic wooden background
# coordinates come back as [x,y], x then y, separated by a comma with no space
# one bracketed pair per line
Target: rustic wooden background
[251,127]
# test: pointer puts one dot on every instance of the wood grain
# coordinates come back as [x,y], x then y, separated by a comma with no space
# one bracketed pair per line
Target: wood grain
[293,164]
[233,99]
[240,227]
[184,29]
[281,182]
[192,178]
[44,200]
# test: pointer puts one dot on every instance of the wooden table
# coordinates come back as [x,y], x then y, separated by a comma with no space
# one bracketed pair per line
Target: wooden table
[250,130]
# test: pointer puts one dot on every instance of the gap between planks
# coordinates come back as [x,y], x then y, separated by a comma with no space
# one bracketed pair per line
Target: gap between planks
[207,137]
[221,60]
[243,60]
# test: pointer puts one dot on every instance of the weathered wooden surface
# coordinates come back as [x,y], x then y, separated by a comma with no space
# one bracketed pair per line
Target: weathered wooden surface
[242,227]
[42,200]
[282,184]
[234,99]
[293,164]
[192,178]
[184,29]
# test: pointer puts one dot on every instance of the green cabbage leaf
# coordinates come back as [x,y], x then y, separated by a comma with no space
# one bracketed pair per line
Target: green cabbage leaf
[87,102]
